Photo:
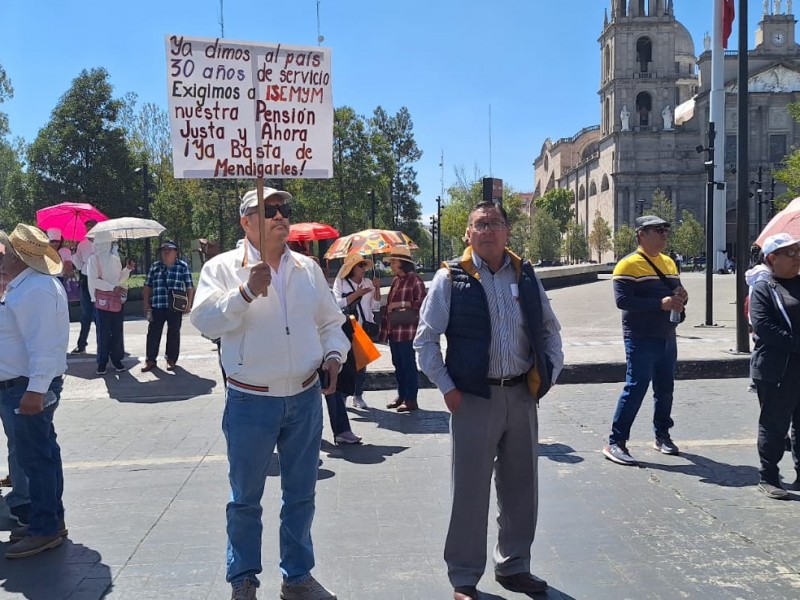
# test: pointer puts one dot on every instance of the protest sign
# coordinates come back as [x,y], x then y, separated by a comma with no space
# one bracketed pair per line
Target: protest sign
[249,110]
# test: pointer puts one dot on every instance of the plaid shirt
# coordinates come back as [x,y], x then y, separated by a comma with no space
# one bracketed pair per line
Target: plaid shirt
[161,278]
[404,289]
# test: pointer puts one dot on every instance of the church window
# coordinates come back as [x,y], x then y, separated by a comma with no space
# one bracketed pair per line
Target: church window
[644,104]
[607,59]
[604,184]
[593,189]
[644,53]
[582,193]
[777,148]
[607,116]
[546,163]
[731,149]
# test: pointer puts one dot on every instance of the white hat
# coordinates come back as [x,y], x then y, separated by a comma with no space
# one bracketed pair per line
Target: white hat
[34,249]
[250,199]
[54,234]
[778,241]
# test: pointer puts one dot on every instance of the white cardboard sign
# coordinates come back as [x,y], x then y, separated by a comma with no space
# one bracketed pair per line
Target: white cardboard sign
[249,110]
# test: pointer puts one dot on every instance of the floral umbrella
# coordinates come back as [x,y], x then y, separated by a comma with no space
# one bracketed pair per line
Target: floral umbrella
[369,241]
[70,218]
[306,232]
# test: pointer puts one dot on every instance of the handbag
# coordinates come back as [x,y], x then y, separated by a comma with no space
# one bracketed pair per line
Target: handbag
[404,316]
[108,301]
[354,309]
[178,300]
[663,279]
[364,351]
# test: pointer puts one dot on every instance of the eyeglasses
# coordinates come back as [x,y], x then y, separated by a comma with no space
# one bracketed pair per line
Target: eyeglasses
[660,230]
[483,226]
[362,265]
[790,253]
[270,210]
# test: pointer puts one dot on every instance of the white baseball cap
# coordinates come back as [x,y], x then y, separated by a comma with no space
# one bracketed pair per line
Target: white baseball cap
[778,241]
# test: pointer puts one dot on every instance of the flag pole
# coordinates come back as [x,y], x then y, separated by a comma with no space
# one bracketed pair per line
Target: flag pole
[717,116]
[743,186]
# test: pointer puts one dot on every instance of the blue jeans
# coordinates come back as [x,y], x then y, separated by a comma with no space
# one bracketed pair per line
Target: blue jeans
[39,455]
[19,494]
[253,427]
[87,313]
[648,359]
[405,369]
[361,380]
[109,338]
[337,413]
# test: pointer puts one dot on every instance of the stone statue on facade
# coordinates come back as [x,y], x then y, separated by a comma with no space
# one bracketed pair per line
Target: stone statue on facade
[625,117]
[765,6]
[666,114]
[778,7]
[789,7]
[706,42]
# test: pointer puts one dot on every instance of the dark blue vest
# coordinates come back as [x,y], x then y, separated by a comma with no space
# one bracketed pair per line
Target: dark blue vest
[469,330]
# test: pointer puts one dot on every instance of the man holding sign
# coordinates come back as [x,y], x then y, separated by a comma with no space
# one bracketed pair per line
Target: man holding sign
[278,323]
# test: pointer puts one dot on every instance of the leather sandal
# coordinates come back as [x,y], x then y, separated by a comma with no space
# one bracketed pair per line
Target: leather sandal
[394,403]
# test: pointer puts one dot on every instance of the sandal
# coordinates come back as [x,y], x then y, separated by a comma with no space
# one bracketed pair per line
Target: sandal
[6,481]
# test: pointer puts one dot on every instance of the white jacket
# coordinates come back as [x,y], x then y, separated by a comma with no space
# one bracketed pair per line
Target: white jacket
[269,349]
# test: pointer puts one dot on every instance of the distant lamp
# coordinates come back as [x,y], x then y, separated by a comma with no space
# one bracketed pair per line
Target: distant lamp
[700,149]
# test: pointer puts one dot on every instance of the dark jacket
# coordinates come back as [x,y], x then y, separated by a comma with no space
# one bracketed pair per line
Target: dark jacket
[775,341]
[469,329]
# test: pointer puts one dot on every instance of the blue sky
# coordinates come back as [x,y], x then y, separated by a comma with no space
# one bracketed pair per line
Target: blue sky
[535,62]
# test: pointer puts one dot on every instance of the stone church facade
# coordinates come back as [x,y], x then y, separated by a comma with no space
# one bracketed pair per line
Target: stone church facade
[647,68]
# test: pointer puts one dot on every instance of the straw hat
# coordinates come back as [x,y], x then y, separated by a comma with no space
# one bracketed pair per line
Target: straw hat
[33,247]
[350,261]
[400,253]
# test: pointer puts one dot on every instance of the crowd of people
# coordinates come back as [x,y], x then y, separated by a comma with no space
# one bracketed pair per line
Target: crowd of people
[503,354]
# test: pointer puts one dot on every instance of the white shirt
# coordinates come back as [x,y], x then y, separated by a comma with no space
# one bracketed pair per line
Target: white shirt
[84,250]
[341,287]
[34,330]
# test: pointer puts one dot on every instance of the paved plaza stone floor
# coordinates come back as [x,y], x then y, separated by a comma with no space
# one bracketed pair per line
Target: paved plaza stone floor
[146,487]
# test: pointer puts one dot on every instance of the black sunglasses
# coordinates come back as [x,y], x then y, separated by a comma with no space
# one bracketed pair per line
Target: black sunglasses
[270,210]
[661,229]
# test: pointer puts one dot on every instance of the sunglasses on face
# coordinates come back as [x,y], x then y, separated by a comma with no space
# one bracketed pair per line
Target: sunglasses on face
[791,253]
[362,265]
[270,210]
[660,230]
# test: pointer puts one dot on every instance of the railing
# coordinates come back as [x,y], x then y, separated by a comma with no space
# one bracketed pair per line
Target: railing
[577,135]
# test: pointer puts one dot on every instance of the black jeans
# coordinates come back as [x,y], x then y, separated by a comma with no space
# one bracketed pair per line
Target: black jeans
[780,406]
[109,338]
[87,314]
[173,319]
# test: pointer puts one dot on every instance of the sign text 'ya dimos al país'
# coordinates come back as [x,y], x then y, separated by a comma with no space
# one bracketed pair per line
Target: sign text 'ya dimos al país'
[248,110]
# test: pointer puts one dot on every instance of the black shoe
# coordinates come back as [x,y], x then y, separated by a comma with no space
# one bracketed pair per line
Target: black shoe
[21,513]
[465,591]
[78,350]
[522,583]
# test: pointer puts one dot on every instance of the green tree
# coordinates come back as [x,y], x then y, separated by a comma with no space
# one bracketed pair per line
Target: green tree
[689,238]
[662,206]
[558,203]
[790,174]
[396,152]
[624,241]
[575,245]
[600,236]
[545,237]
[81,154]
[6,92]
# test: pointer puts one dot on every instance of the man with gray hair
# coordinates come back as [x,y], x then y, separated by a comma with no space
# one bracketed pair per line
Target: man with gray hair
[277,323]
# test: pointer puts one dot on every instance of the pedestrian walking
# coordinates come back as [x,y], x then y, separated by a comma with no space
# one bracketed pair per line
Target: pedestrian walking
[80,259]
[358,296]
[278,324]
[775,362]
[34,333]
[503,355]
[166,277]
[648,291]
[399,326]
[108,287]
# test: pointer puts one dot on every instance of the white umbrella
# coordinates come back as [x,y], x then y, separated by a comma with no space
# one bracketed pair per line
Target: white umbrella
[128,228]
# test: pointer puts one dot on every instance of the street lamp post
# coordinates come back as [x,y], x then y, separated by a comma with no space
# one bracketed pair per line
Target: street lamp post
[439,222]
[434,229]
[146,210]
[372,206]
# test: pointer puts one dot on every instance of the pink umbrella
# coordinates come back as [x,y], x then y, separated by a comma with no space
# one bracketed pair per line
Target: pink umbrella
[70,218]
[786,221]
[306,232]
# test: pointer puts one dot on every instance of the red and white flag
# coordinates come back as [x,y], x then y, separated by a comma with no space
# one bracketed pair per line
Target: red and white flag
[728,14]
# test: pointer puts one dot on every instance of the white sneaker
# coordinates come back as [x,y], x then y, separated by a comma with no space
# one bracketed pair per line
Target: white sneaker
[358,402]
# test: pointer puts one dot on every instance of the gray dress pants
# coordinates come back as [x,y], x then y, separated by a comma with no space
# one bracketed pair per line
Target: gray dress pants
[501,436]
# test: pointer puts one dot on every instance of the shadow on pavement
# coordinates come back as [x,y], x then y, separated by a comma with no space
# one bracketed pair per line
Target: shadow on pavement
[559,453]
[711,471]
[418,421]
[361,454]
[551,593]
[168,386]
[72,571]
